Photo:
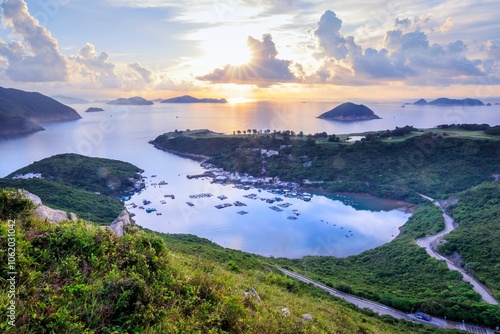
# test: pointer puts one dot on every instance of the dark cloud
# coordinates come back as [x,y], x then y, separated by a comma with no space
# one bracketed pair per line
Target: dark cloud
[36,57]
[263,69]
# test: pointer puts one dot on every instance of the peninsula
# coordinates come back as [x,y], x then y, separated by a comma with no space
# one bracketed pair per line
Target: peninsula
[22,112]
[349,112]
[135,101]
[191,99]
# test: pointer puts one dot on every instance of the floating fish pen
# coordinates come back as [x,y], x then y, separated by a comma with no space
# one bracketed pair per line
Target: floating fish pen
[222,197]
[190,203]
[284,205]
[163,183]
[171,196]
[275,208]
[201,195]
[222,206]
[291,217]
[238,203]
[242,213]
[251,196]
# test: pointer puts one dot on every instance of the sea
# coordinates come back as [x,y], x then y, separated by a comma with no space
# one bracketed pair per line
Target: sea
[335,225]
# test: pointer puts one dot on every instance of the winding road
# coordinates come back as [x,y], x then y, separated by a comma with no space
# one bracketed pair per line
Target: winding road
[429,244]
[385,310]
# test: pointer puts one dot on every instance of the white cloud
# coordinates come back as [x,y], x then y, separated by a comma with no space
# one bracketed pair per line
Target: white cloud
[263,69]
[36,57]
[446,25]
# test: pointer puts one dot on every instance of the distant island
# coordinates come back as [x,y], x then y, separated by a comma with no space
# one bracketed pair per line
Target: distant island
[94,109]
[349,112]
[446,102]
[69,99]
[191,99]
[136,101]
[22,112]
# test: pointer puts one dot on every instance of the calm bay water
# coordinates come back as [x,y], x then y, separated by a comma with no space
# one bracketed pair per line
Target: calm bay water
[123,132]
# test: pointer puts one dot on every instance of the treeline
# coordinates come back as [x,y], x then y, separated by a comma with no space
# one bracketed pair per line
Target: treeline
[489,130]
[397,132]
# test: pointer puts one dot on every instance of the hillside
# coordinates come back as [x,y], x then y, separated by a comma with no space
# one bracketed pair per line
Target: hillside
[349,112]
[95,208]
[22,112]
[477,238]
[396,169]
[191,99]
[105,176]
[77,278]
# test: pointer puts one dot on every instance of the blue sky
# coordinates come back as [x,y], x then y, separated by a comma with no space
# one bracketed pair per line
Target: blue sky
[251,48]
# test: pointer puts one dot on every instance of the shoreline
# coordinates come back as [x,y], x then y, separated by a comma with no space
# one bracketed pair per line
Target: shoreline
[392,203]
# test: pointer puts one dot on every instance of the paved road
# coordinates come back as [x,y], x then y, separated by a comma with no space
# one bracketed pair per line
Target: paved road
[385,310]
[429,244]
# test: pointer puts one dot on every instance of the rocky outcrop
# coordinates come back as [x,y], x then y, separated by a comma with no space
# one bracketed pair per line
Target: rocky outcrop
[119,224]
[44,212]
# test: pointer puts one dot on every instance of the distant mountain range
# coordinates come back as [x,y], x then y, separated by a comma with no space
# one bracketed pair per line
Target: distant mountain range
[69,99]
[444,101]
[191,99]
[136,101]
[349,112]
[22,112]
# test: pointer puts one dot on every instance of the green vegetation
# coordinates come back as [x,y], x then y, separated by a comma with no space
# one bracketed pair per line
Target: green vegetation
[96,208]
[91,174]
[477,239]
[75,277]
[401,274]
[396,169]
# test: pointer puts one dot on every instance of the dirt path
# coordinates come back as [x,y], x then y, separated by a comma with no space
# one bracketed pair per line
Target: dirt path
[429,244]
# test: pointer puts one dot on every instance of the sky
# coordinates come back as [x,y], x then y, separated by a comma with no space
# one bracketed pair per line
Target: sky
[252,49]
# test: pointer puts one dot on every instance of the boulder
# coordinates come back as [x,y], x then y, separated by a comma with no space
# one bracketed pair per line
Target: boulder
[44,212]
[118,225]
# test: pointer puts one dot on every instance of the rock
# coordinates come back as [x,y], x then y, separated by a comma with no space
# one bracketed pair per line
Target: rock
[253,294]
[44,212]
[285,311]
[94,109]
[307,316]
[118,225]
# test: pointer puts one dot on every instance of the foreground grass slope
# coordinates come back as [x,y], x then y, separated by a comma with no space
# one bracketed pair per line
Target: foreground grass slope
[79,278]
[87,205]
[477,239]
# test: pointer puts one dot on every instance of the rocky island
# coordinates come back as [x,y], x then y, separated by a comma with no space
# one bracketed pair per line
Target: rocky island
[446,102]
[191,99]
[349,112]
[94,109]
[22,112]
[135,101]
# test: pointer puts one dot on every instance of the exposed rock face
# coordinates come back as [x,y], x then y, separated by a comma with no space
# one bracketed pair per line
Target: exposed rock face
[349,112]
[44,212]
[118,225]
